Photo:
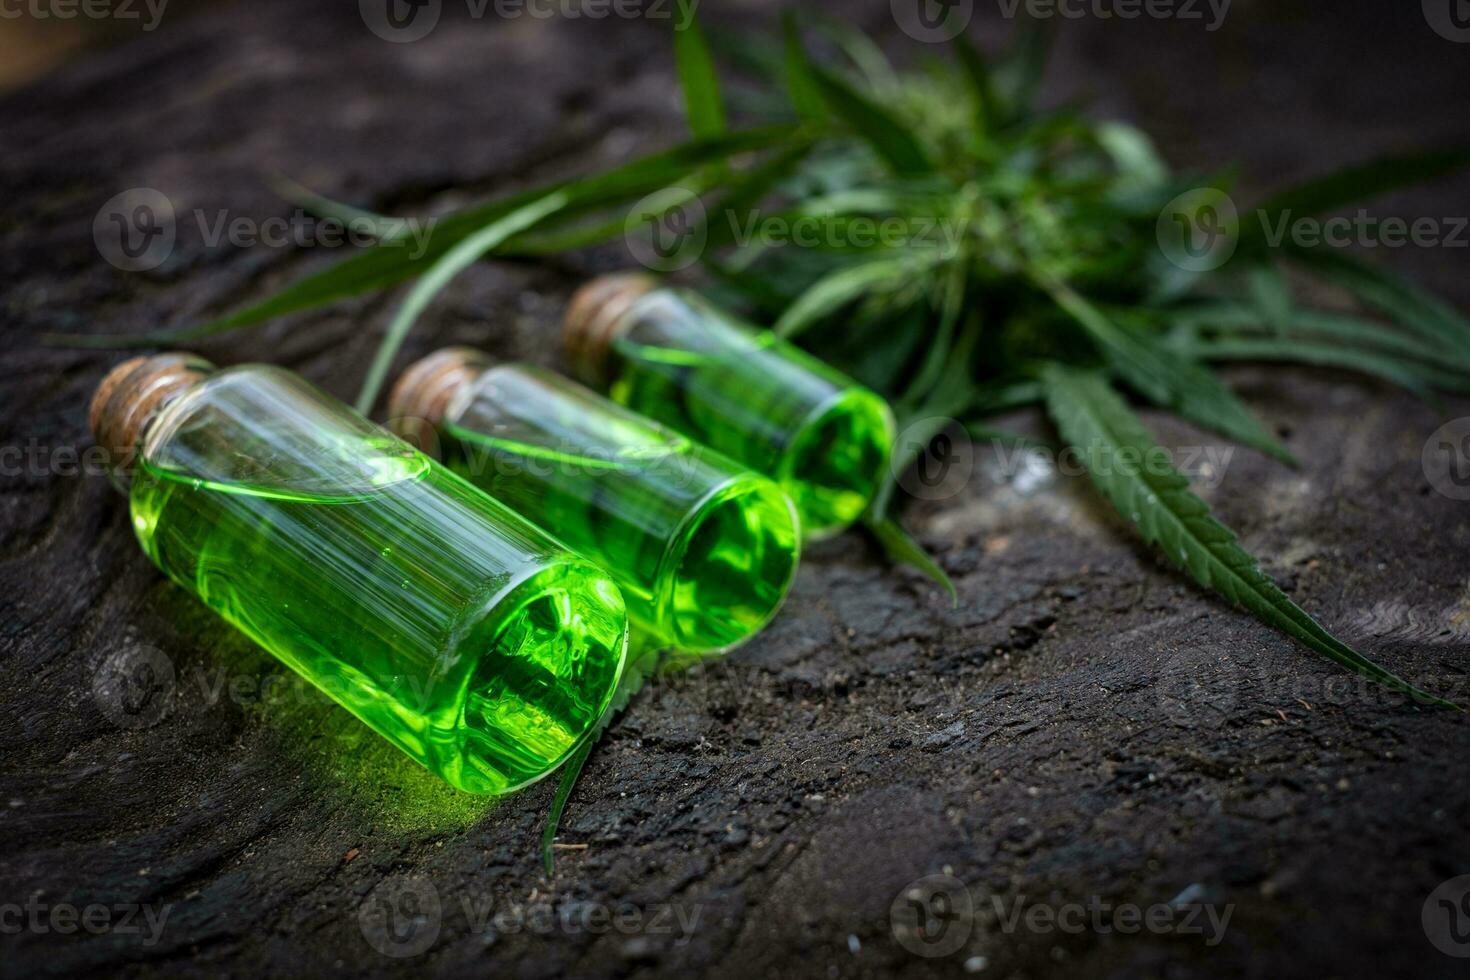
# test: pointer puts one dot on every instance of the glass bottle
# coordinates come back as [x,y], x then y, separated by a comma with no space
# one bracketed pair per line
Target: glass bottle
[453,628]
[703,549]
[672,356]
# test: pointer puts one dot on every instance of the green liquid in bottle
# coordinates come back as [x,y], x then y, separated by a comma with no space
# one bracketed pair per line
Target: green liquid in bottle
[703,549]
[445,622]
[755,398]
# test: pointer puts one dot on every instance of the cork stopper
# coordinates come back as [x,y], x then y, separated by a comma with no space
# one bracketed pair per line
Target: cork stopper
[594,319]
[420,399]
[131,395]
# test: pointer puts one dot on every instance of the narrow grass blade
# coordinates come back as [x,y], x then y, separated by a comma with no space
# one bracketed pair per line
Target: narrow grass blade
[469,251]
[566,783]
[860,49]
[1350,186]
[389,263]
[989,113]
[379,226]
[698,77]
[836,290]
[730,216]
[906,551]
[891,140]
[635,674]
[801,87]
[1158,502]
[941,352]
[1023,68]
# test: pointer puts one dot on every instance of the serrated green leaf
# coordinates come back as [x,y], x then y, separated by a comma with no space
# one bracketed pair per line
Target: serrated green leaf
[1238,321]
[1168,379]
[1407,304]
[906,551]
[1415,378]
[1158,502]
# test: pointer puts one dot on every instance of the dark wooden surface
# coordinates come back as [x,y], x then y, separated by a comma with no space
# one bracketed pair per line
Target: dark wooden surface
[1084,727]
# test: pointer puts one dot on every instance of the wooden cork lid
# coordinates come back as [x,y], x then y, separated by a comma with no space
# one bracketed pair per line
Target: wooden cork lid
[421,397]
[594,318]
[130,396]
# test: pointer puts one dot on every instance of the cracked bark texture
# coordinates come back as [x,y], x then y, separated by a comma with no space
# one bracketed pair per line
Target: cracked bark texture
[1084,727]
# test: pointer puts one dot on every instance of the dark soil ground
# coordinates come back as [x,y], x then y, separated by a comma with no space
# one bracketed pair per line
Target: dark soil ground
[1084,734]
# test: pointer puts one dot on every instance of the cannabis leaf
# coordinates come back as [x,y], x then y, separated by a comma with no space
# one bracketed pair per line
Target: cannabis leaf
[1157,500]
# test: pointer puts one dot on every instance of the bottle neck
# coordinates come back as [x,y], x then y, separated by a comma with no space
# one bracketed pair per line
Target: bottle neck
[419,403]
[596,317]
[132,396]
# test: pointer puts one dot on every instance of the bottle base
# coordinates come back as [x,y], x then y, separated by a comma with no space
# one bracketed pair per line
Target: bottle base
[547,673]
